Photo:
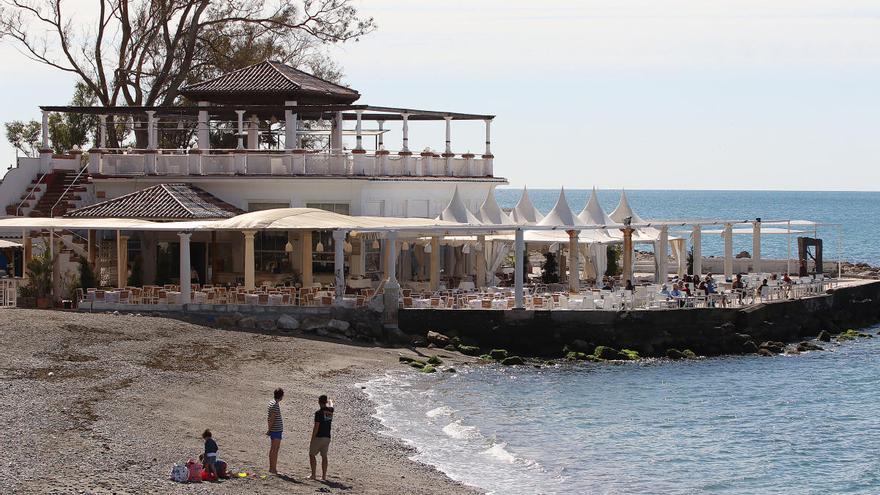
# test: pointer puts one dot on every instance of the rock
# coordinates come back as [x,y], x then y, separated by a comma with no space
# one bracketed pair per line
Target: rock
[824,336]
[750,347]
[498,354]
[512,361]
[247,322]
[338,325]
[311,324]
[609,353]
[450,348]
[418,342]
[429,369]
[456,341]
[432,346]
[743,254]
[287,322]
[575,356]
[435,361]
[417,364]
[630,354]
[849,335]
[674,354]
[764,352]
[689,354]
[449,370]
[225,321]
[773,347]
[809,346]
[469,350]
[486,357]
[438,339]
[266,324]
[405,359]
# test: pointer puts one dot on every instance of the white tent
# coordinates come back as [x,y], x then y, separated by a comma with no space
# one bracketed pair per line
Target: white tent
[456,211]
[525,213]
[490,213]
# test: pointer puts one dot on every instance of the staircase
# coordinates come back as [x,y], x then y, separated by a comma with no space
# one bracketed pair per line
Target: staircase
[60,189]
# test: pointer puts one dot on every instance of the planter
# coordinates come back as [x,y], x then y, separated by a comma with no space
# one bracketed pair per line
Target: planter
[44,303]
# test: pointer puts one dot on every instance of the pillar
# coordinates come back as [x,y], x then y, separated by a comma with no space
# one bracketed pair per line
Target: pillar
[102,132]
[44,130]
[185,268]
[121,259]
[240,145]
[756,246]
[45,150]
[339,263]
[357,129]
[662,255]
[405,117]
[519,250]
[728,251]
[488,137]
[93,249]
[249,270]
[434,283]
[253,141]
[697,240]
[307,258]
[336,133]
[481,262]
[151,129]
[380,139]
[392,286]
[448,134]
[203,138]
[627,255]
[574,283]
[291,130]
[27,252]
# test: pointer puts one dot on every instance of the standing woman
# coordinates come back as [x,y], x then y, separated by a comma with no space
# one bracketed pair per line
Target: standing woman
[275,429]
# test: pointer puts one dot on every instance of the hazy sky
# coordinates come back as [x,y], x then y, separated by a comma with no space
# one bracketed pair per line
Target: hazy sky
[676,94]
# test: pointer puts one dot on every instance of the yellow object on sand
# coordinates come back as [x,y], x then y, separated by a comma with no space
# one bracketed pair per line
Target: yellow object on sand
[242,475]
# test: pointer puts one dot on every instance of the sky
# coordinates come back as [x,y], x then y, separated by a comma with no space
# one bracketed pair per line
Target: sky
[642,94]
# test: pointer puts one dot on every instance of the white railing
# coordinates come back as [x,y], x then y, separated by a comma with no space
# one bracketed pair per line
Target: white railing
[257,163]
[9,292]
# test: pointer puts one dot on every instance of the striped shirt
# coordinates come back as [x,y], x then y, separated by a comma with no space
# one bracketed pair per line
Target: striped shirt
[277,425]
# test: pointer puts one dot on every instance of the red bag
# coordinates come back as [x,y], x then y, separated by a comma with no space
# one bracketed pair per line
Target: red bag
[208,476]
[195,471]
[221,469]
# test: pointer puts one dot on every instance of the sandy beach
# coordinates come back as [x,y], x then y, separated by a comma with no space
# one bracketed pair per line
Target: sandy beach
[101,403]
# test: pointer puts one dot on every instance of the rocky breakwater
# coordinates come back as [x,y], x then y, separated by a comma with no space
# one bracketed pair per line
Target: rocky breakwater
[769,329]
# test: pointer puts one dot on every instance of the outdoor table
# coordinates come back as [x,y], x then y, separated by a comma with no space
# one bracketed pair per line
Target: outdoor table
[252,299]
[422,303]
[172,297]
[200,297]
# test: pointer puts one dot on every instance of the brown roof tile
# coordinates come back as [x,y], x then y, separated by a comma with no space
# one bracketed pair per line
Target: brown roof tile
[161,202]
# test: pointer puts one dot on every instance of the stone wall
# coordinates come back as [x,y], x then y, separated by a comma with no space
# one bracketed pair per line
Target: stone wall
[707,331]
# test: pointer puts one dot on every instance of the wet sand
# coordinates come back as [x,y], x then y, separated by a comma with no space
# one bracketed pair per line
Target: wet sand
[102,403]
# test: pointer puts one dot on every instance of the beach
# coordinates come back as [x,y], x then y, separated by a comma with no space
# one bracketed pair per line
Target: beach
[100,403]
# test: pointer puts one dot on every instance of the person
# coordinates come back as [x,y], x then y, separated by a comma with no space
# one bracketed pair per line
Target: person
[193,275]
[664,291]
[320,442]
[786,279]
[629,285]
[275,429]
[209,459]
[609,284]
[738,283]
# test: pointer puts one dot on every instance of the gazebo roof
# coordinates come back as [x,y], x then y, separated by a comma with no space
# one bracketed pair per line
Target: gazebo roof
[269,82]
[161,202]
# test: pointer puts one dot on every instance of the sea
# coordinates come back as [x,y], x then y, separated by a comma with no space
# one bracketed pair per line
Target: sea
[790,424]
[850,219]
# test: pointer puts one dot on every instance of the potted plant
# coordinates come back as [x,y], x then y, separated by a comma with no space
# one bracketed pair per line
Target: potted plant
[40,279]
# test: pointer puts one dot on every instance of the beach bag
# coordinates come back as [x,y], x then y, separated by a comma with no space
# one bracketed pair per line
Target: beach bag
[179,473]
[195,471]
[208,476]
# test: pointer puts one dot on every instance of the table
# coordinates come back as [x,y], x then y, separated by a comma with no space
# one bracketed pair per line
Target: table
[252,299]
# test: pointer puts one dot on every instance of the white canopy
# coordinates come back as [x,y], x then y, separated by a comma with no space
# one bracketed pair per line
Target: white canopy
[764,230]
[491,214]
[561,213]
[456,211]
[624,211]
[593,214]
[525,213]
[4,244]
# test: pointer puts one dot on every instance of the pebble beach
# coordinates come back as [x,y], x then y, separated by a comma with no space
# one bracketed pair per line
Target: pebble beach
[106,403]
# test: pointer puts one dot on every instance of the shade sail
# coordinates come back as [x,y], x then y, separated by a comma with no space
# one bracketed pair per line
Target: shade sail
[75,223]
[314,219]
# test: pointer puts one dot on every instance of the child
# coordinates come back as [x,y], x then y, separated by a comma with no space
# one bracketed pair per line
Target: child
[210,456]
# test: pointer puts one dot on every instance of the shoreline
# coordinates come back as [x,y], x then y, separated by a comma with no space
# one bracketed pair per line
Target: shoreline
[120,398]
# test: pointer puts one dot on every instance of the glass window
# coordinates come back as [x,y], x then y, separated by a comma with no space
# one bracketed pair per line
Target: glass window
[341,208]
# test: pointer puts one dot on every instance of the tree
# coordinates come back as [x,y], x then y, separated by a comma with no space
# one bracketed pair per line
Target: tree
[65,130]
[24,136]
[551,269]
[141,52]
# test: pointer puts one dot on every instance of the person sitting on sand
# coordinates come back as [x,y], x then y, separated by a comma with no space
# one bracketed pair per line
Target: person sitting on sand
[275,429]
[320,442]
[209,460]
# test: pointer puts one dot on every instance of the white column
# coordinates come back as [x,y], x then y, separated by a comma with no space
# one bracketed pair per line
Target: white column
[240,129]
[574,285]
[253,142]
[697,241]
[662,255]
[151,131]
[380,143]
[121,256]
[249,270]
[756,245]
[307,258]
[45,131]
[336,133]
[360,145]
[185,268]
[728,250]
[481,262]
[448,135]
[339,263]
[434,277]
[405,132]
[102,132]
[519,249]
[291,131]
[391,246]
[203,139]
[488,137]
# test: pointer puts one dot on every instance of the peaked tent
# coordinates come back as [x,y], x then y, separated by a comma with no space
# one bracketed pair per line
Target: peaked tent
[456,211]
[525,213]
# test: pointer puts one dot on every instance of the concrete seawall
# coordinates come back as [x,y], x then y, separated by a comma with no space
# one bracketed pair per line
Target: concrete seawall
[709,331]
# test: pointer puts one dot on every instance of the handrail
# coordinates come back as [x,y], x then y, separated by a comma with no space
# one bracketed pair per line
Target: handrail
[28,195]
[75,180]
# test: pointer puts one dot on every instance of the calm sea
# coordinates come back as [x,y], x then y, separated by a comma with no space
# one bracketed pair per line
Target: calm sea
[855,212]
[805,424]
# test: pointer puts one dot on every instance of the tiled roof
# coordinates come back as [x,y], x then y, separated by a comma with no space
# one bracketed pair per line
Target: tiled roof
[269,77]
[161,202]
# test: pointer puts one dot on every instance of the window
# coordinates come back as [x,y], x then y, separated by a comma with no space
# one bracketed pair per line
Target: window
[266,206]
[269,254]
[341,208]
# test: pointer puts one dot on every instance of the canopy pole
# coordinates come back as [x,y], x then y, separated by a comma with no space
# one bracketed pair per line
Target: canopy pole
[519,249]
[697,243]
[627,255]
[662,255]
[481,262]
[756,246]
[788,260]
[574,283]
[185,268]
[434,278]
[249,270]
[339,263]
[391,296]
[307,258]
[728,251]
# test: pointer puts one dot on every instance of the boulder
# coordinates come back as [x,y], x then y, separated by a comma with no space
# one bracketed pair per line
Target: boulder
[689,354]
[750,347]
[773,347]
[576,356]
[438,339]
[287,322]
[674,354]
[435,361]
[247,322]
[450,348]
[498,354]
[512,361]
[417,364]
[743,254]
[266,324]
[429,369]
[418,342]
[449,370]
[765,352]
[630,354]
[311,323]
[809,346]
[486,357]
[469,350]
[339,325]
[609,353]
[824,336]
